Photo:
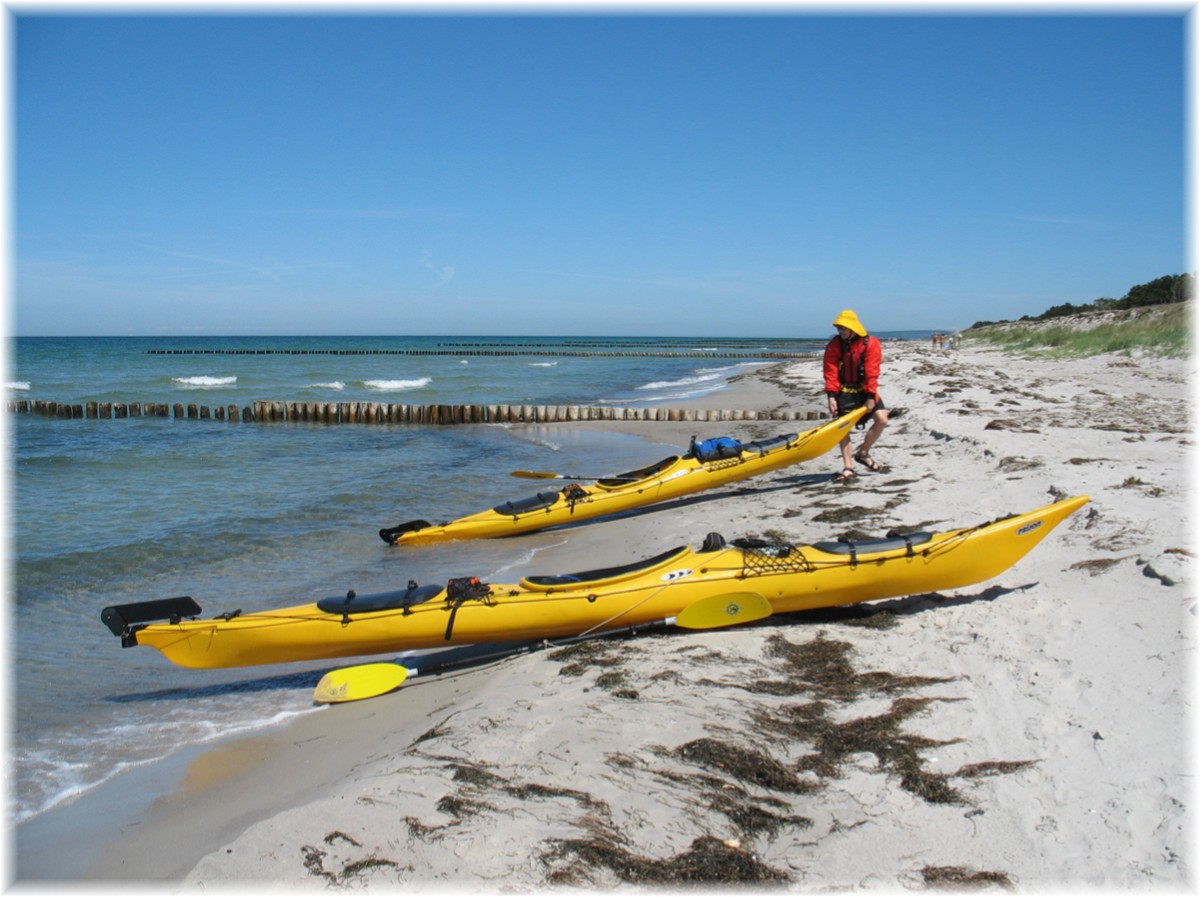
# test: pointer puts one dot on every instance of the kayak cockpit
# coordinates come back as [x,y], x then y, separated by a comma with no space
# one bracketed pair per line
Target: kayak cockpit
[874,546]
[606,574]
[624,480]
[520,506]
[762,446]
[399,599]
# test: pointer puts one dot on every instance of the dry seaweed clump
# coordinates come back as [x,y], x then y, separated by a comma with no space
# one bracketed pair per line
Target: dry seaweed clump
[482,780]
[1096,566]
[743,764]
[314,862]
[577,659]
[958,878]
[822,669]
[882,735]
[753,818]
[752,815]
[707,861]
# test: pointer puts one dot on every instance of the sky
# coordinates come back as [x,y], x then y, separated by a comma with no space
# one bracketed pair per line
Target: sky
[406,171]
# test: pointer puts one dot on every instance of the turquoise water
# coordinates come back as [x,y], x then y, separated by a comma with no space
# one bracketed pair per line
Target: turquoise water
[252,516]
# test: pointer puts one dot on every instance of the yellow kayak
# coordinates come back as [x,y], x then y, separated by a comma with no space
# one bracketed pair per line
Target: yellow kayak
[467,611]
[673,477]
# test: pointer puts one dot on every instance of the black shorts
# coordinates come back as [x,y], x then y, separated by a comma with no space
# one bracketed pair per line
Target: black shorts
[848,401]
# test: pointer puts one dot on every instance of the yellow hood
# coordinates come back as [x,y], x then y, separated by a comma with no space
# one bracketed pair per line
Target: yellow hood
[849,320]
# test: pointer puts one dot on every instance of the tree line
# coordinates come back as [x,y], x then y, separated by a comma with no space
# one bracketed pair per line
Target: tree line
[1165,290]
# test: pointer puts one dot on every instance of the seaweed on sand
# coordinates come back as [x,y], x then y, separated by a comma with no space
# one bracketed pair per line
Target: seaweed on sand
[958,877]
[743,764]
[822,668]
[708,860]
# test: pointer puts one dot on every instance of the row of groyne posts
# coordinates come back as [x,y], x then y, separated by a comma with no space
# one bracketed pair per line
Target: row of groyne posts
[386,413]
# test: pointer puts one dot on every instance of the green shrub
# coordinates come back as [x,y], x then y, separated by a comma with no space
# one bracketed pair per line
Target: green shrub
[1167,333]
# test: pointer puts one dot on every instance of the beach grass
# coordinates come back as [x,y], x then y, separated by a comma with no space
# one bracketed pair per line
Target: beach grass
[1167,333]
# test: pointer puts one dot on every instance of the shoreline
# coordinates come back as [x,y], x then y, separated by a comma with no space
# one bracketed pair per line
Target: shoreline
[1061,683]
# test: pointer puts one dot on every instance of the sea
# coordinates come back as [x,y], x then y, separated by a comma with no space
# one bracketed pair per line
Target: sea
[256,515]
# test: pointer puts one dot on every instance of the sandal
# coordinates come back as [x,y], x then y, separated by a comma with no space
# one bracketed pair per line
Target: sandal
[845,476]
[867,461]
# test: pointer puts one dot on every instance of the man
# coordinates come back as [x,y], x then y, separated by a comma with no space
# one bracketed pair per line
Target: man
[852,360]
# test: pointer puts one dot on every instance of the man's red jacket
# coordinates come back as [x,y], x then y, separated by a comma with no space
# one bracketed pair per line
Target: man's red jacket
[853,364]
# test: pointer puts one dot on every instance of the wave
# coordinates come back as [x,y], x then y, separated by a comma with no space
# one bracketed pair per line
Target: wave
[22,385]
[334,384]
[397,385]
[686,381]
[543,364]
[699,383]
[524,560]
[702,377]
[203,382]
[70,769]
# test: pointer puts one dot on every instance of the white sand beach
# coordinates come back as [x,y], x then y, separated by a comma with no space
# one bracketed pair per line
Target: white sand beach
[1028,732]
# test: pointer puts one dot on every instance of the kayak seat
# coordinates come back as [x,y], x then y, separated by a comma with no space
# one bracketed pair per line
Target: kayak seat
[537,502]
[642,473]
[605,573]
[763,446]
[870,546]
[350,603]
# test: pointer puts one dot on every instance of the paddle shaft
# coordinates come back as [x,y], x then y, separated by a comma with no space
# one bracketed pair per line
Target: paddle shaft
[370,680]
[530,647]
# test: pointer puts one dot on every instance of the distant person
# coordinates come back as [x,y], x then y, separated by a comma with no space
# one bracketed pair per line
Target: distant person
[852,361]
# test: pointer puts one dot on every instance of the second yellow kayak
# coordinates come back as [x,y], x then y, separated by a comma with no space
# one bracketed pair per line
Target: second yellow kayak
[673,477]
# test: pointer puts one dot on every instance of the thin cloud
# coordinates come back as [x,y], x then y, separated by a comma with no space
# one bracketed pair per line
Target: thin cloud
[138,240]
[442,274]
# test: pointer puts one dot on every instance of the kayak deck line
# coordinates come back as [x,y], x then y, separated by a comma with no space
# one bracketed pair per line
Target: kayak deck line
[467,611]
[706,465]
[267,411]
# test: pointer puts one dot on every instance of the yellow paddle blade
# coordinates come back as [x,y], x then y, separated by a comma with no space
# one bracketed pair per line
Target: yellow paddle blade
[724,610]
[533,474]
[357,683]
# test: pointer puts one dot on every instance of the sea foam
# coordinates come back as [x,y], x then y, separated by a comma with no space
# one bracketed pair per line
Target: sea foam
[397,385]
[203,382]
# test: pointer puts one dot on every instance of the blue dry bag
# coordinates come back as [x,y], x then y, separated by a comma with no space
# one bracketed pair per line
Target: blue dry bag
[716,448]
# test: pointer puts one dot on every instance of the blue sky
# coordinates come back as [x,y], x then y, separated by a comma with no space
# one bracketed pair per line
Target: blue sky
[685,174]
